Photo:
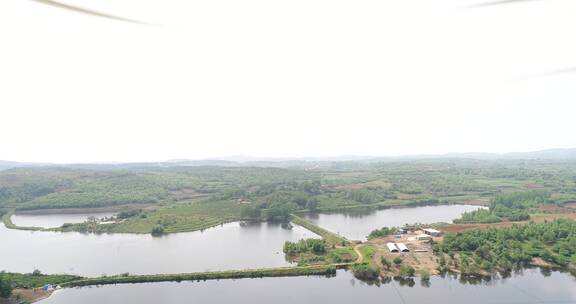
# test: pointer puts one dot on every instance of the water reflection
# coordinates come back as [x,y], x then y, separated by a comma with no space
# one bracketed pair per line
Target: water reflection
[356,225]
[230,246]
[55,220]
[523,287]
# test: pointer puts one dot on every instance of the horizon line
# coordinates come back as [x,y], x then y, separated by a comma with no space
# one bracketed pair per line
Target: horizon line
[243,158]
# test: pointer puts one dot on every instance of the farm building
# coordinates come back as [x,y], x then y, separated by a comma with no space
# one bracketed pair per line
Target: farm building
[48,287]
[402,247]
[423,237]
[432,232]
[392,247]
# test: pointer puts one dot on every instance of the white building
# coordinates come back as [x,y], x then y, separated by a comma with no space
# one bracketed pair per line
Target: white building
[423,237]
[432,232]
[392,247]
[402,247]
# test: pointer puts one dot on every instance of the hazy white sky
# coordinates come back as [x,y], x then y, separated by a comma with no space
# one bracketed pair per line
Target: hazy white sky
[284,78]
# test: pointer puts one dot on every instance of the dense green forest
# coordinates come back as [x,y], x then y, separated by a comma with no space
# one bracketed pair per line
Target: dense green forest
[514,207]
[181,198]
[504,249]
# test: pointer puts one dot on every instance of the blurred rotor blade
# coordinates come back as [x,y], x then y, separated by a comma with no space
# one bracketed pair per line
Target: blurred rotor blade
[86,11]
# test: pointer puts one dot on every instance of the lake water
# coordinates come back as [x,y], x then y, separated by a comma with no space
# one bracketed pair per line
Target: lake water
[356,225]
[54,220]
[230,246]
[529,287]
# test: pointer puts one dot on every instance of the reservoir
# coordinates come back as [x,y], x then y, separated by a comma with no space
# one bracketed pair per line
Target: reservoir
[530,286]
[54,220]
[356,225]
[235,245]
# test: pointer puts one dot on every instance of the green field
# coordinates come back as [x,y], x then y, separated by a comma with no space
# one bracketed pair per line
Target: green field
[181,217]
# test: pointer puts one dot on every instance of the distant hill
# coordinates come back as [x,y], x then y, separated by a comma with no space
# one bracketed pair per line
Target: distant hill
[5,165]
[306,162]
[545,154]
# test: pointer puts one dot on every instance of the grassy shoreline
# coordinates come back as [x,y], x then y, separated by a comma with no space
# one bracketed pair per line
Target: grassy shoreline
[7,220]
[392,204]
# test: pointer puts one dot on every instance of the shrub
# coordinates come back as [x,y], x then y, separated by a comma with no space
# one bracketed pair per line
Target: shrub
[5,288]
[424,275]
[407,271]
[365,271]
[157,230]
[381,232]
[385,262]
[308,245]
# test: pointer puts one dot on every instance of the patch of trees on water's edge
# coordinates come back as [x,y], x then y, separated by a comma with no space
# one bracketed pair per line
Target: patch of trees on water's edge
[513,207]
[10,281]
[504,249]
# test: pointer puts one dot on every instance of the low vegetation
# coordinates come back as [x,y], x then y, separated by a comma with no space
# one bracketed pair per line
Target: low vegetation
[513,207]
[7,221]
[382,232]
[309,252]
[201,276]
[10,281]
[315,246]
[181,217]
[365,271]
[5,288]
[504,249]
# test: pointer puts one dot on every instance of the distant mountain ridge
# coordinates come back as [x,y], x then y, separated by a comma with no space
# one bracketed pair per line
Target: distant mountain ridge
[240,160]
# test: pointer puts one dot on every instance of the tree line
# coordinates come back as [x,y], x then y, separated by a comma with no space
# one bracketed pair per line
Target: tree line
[514,207]
[492,249]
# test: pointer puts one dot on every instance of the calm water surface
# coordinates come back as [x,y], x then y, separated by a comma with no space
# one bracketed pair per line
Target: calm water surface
[358,224]
[529,287]
[230,246]
[54,220]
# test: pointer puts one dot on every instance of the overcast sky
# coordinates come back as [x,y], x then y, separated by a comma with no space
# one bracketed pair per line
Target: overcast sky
[284,78]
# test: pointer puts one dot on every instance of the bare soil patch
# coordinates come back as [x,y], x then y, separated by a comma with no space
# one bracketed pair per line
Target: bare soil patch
[371,184]
[550,217]
[477,202]
[421,257]
[534,186]
[31,295]
[540,263]
[553,208]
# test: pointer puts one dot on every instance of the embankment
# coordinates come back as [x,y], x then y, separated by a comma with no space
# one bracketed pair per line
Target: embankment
[327,235]
[7,220]
[324,270]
